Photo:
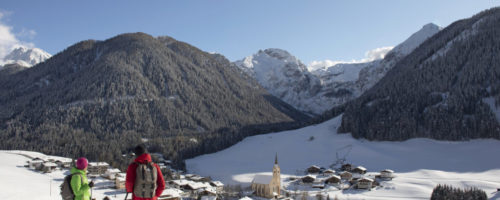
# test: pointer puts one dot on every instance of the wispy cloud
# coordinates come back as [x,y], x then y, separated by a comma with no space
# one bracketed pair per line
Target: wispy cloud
[9,40]
[371,55]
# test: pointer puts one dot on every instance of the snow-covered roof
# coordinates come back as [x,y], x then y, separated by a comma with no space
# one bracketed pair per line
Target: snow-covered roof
[173,192]
[329,171]
[181,182]
[361,168]
[99,164]
[345,172]
[198,185]
[387,170]
[113,171]
[218,183]
[246,198]
[189,175]
[36,161]
[314,166]
[262,179]
[310,176]
[334,176]
[49,164]
[366,179]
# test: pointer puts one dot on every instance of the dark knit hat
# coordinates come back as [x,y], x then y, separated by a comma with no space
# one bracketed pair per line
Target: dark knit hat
[139,150]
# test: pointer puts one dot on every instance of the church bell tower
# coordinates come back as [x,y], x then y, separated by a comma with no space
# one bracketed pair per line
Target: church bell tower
[276,182]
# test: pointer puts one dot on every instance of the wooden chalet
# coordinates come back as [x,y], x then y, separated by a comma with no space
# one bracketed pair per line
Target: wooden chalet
[386,173]
[219,186]
[346,167]
[359,170]
[97,168]
[328,172]
[308,179]
[313,169]
[346,175]
[365,183]
[48,167]
[333,179]
[35,164]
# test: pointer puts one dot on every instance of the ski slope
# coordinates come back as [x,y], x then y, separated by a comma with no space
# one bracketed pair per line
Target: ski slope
[420,164]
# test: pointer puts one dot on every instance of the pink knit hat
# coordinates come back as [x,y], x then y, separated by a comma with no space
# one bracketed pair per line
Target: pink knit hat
[81,163]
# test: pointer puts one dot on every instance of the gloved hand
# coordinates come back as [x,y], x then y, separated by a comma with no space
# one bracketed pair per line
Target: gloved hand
[91,184]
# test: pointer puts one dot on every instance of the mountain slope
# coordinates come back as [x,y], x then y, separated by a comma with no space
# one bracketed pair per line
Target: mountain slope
[447,88]
[26,57]
[130,87]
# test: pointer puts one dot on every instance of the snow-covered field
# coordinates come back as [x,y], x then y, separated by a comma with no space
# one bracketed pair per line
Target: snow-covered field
[420,164]
[18,182]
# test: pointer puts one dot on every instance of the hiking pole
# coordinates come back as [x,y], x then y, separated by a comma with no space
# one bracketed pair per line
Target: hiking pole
[126,196]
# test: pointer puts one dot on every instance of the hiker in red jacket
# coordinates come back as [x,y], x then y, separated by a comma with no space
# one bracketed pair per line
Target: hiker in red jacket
[144,178]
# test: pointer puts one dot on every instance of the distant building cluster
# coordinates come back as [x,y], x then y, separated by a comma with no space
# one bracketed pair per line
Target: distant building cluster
[346,177]
[181,186]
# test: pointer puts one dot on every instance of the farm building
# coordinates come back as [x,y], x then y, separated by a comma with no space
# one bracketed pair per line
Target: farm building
[35,164]
[48,167]
[346,175]
[386,173]
[63,163]
[219,186]
[308,179]
[365,183]
[329,172]
[333,179]
[313,169]
[346,167]
[359,170]
[97,168]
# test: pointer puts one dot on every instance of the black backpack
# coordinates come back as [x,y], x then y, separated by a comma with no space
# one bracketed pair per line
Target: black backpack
[66,190]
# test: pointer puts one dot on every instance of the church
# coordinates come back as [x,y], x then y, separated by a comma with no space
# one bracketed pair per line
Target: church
[268,186]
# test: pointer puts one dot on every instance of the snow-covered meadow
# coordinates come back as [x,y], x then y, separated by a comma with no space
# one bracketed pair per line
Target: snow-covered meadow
[18,182]
[420,164]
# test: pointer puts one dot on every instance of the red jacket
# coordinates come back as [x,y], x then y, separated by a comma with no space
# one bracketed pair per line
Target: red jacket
[130,178]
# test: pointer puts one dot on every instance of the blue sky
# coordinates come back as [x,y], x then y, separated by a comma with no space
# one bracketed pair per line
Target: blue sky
[311,30]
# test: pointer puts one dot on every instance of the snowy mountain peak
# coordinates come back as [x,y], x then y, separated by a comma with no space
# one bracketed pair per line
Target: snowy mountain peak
[278,53]
[283,75]
[416,39]
[26,56]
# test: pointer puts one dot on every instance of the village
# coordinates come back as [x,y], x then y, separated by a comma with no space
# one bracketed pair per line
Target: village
[315,181]
[181,186]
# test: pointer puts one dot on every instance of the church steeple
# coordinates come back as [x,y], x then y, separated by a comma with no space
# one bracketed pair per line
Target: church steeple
[276,159]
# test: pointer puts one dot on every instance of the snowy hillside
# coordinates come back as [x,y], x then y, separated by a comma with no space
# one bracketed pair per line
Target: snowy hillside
[420,164]
[26,56]
[19,182]
[416,39]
